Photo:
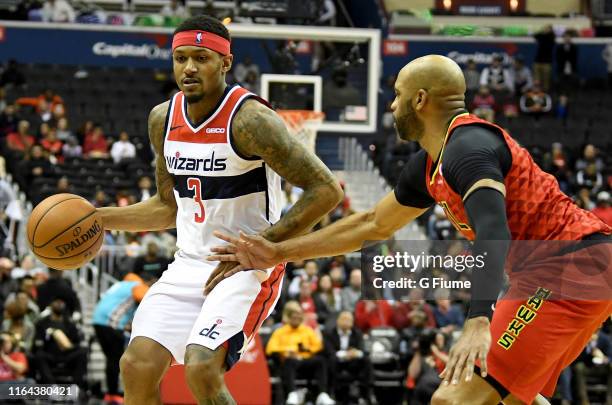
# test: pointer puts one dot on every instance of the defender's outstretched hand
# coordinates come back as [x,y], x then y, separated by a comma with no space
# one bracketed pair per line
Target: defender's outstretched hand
[474,343]
[251,252]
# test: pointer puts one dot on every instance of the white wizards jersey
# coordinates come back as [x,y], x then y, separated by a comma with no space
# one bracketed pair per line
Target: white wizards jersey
[215,187]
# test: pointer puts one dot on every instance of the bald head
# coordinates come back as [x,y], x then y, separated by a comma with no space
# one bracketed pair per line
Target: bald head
[429,90]
[439,75]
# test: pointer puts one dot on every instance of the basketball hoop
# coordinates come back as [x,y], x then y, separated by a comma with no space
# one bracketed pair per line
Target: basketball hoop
[303,124]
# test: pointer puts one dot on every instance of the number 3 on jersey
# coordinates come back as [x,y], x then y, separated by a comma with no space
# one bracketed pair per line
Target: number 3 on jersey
[193,183]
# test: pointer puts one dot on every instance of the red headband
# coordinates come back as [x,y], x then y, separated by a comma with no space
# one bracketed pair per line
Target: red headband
[202,39]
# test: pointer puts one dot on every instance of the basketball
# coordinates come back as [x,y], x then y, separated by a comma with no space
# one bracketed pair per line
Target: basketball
[65,231]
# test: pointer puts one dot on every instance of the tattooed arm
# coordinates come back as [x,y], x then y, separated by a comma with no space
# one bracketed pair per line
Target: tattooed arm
[158,212]
[259,131]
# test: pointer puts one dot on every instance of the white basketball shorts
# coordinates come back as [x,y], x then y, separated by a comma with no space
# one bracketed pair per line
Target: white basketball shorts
[175,313]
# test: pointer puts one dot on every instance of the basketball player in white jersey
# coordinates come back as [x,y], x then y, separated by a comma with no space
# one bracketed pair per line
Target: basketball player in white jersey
[220,154]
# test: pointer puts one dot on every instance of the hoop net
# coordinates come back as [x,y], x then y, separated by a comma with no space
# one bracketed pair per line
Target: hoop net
[303,124]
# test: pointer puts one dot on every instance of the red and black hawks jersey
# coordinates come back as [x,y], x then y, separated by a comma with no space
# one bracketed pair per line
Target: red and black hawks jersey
[535,206]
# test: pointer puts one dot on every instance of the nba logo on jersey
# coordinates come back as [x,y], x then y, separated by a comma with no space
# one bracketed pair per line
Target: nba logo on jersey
[199,38]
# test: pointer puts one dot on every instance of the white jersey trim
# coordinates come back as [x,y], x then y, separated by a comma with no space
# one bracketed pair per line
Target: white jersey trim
[202,125]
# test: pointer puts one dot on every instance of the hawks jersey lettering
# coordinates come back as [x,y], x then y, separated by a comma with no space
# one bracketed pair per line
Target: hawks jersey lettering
[216,188]
[535,206]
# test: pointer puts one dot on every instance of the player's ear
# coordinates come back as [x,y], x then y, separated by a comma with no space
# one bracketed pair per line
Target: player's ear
[420,99]
[226,63]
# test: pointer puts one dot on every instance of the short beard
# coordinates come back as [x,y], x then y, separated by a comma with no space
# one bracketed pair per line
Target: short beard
[194,98]
[409,127]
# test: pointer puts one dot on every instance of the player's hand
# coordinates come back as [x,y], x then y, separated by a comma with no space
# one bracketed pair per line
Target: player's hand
[252,252]
[473,344]
[219,274]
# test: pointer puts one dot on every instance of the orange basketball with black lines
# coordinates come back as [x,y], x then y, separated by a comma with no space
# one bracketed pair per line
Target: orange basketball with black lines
[65,231]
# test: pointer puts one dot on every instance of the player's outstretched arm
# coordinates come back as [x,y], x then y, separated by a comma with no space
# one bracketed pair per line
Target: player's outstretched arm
[346,235]
[158,212]
[259,131]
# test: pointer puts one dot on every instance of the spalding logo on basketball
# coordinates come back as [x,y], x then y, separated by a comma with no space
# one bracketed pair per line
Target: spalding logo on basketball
[65,231]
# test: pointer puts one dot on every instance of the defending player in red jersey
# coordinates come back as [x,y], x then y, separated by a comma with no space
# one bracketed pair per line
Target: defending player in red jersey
[493,193]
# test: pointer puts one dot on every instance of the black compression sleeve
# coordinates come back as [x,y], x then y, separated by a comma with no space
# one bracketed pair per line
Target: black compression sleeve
[411,189]
[486,210]
[474,153]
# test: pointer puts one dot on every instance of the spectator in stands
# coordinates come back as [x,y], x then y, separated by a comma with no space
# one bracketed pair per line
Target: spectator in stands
[520,76]
[71,148]
[603,209]
[297,347]
[175,9]
[242,69]
[20,141]
[100,199]
[590,179]
[472,77]
[151,264]
[251,82]
[406,311]
[58,287]
[594,361]
[52,145]
[590,156]
[311,305]
[536,102]
[496,77]
[567,61]
[448,317]
[555,162]
[583,199]
[58,11]
[57,347]
[123,148]
[145,188]
[373,314]
[63,186]
[352,292]
[95,145]
[7,283]
[13,363]
[328,299]
[545,40]
[12,76]
[43,130]
[8,120]
[427,363]
[63,131]
[607,57]
[344,349]
[112,320]
[165,241]
[483,104]
[18,324]
[35,166]
[58,112]
[311,269]
[84,130]
[43,111]
[339,262]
